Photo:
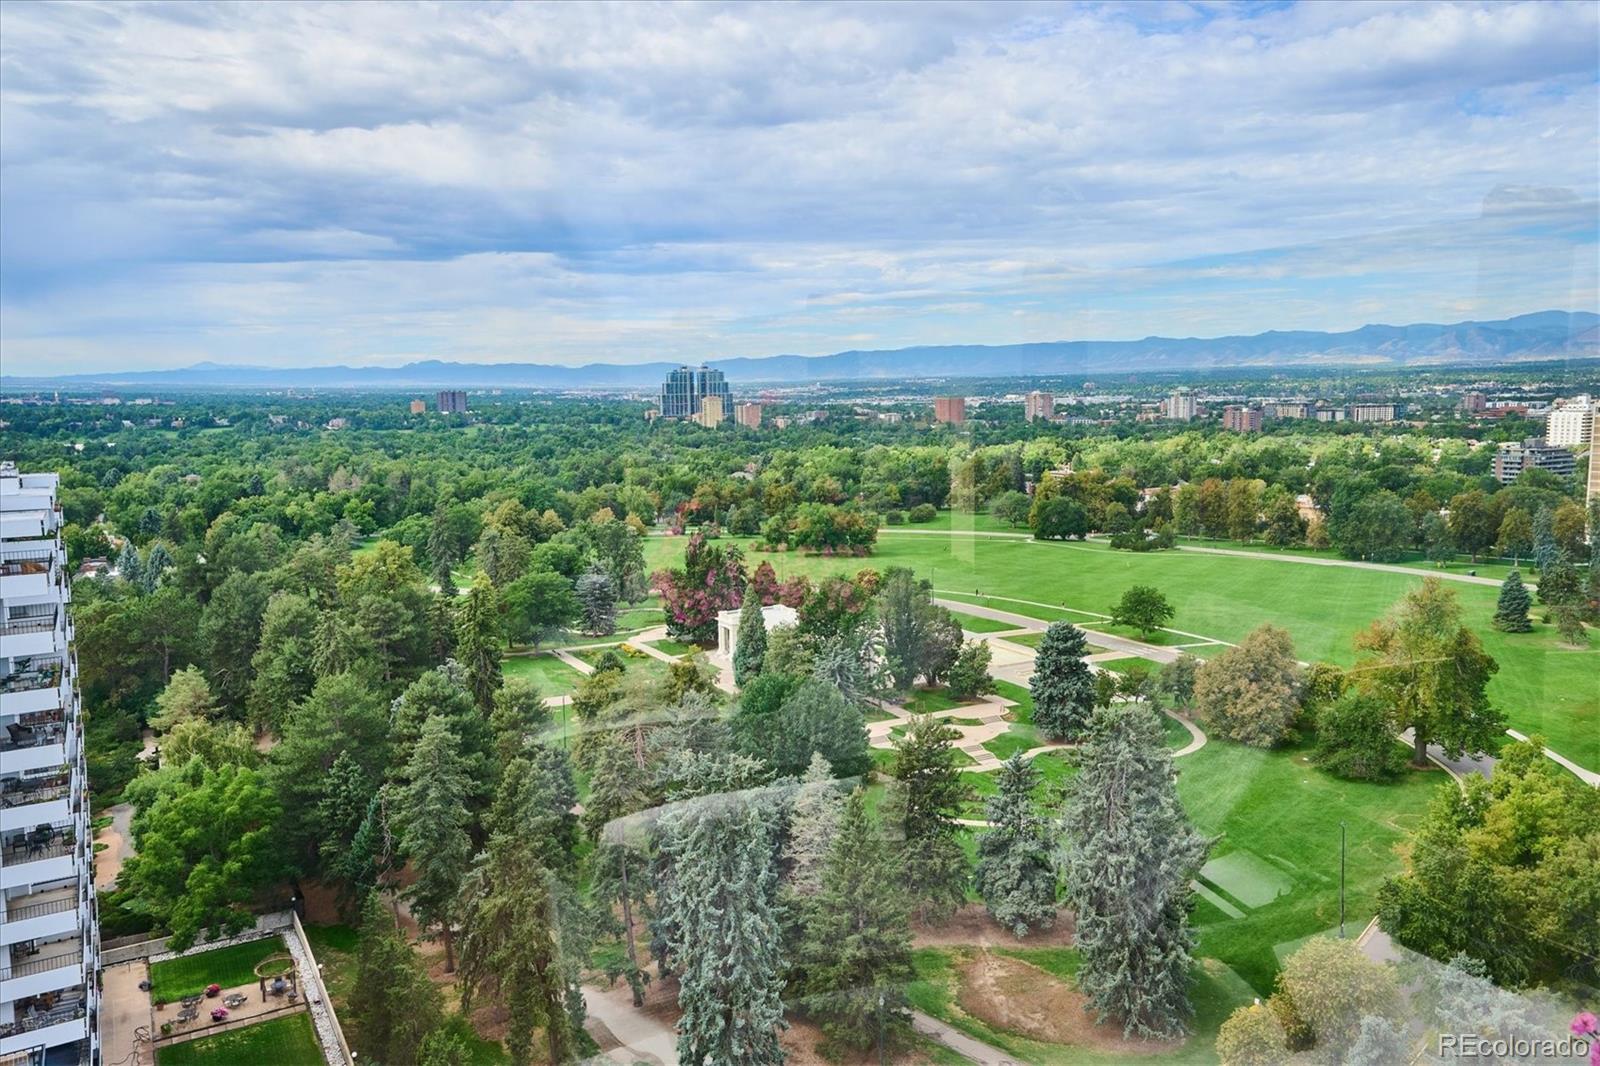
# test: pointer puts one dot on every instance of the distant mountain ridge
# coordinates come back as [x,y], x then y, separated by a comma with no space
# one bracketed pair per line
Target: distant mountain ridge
[1540,335]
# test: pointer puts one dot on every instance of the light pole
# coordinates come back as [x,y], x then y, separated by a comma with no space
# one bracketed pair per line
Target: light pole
[880,1029]
[1341,880]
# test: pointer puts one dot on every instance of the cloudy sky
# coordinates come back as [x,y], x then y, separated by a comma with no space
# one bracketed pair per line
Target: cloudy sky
[371,184]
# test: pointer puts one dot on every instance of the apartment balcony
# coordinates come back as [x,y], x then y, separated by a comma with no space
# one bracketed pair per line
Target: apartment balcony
[34,633]
[38,742]
[29,518]
[29,575]
[34,685]
[25,803]
[46,1021]
[39,967]
[41,856]
[48,915]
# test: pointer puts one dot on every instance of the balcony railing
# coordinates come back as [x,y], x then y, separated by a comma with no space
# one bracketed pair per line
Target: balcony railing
[19,737]
[28,1020]
[29,623]
[27,966]
[16,794]
[37,563]
[32,674]
[47,842]
[40,910]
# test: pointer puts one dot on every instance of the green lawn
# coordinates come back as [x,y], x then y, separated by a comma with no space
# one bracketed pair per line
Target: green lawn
[1277,860]
[335,949]
[640,665]
[554,677]
[233,965]
[287,1041]
[973,624]
[673,647]
[1543,687]
[929,700]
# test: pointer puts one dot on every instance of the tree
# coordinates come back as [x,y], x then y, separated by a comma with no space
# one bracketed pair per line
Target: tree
[927,800]
[1011,507]
[1062,686]
[855,949]
[969,676]
[1130,855]
[230,631]
[1515,537]
[1177,679]
[751,645]
[536,605]
[1375,527]
[511,948]
[1433,671]
[479,635]
[1545,549]
[916,631]
[157,561]
[392,1002]
[519,716]
[1015,876]
[1559,585]
[1285,526]
[1251,692]
[816,719]
[1058,518]
[204,849]
[1474,522]
[1252,1036]
[1437,544]
[450,1043]
[187,697]
[597,600]
[1356,739]
[1331,986]
[216,743]
[1142,607]
[1244,508]
[813,825]
[1511,609]
[130,567]
[716,893]
[432,818]
[284,664]
[712,580]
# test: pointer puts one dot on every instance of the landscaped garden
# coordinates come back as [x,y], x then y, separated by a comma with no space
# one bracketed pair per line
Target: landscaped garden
[550,674]
[229,967]
[288,1041]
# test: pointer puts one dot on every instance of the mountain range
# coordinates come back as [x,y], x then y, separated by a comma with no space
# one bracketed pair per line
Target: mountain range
[1541,335]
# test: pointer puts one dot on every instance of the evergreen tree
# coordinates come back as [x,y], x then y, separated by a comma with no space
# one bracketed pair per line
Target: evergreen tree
[1559,584]
[1130,854]
[855,952]
[392,1002]
[816,718]
[284,664]
[432,816]
[519,716]
[129,566]
[1511,610]
[478,644]
[535,800]
[156,563]
[1063,685]
[1544,539]
[926,802]
[717,898]
[813,824]
[597,601]
[449,1044]
[511,948]
[750,648]
[1015,876]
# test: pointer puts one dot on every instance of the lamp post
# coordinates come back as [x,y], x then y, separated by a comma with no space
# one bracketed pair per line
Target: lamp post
[1341,880]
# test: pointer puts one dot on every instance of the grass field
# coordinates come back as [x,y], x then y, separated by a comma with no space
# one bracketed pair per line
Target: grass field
[1543,686]
[973,624]
[287,1041]
[233,965]
[673,647]
[930,700]
[554,677]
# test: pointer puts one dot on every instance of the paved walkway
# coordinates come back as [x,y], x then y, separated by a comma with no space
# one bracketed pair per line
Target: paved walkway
[118,838]
[126,1022]
[954,1039]
[1588,777]
[1355,564]
[643,1038]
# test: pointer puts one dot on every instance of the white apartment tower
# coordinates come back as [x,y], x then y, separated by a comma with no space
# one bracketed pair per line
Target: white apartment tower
[1570,422]
[49,939]
[1180,406]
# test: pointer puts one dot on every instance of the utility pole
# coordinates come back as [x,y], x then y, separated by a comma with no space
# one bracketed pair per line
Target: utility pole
[1341,880]
[880,1029]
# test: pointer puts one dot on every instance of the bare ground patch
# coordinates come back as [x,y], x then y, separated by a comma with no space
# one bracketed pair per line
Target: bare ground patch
[1010,995]
[972,925]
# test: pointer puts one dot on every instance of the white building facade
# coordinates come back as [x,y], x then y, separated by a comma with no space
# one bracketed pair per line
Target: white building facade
[1571,422]
[772,617]
[49,938]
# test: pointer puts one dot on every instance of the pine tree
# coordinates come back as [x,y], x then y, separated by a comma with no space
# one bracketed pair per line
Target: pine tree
[1559,584]
[535,800]
[156,562]
[750,648]
[717,898]
[855,952]
[1131,853]
[478,644]
[1063,685]
[1015,876]
[432,815]
[813,824]
[1545,549]
[1511,611]
[511,948]
[925,803]
[815,718]
[597,600]
[392,1002]
[129,566]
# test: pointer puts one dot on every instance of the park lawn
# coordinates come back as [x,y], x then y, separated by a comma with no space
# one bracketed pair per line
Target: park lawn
[1163,638]
[335,949]
[929,700]
[673,647]
[1276,861]
[1542,687]
[1027,640]
[1017,738]
[1122,664]
[554,677]
[233,965]
[973,624]
[963,521]
[1487,566]
[639,665]
[1019,695]
[1214,992]
[287,1041]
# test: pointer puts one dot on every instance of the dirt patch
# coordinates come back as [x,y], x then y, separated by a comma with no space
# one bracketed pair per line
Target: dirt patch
[1013,996]
[972,925]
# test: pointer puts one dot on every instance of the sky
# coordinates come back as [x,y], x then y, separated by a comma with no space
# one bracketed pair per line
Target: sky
[371,184]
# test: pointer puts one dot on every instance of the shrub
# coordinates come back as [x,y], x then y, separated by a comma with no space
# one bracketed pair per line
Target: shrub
[1356,739]
[923,512]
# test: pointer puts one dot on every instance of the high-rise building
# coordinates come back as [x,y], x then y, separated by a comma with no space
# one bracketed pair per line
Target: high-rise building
[686,388]
[418,407]
[710,413]
[1039,405]
[49,940]
[1512,458]
[747,415]
[1293,409]
[1570,422]
[1180,406]
[1593,491]
[452,402]
[1237,419]
[1474,402]
[1370,412]
[951,410]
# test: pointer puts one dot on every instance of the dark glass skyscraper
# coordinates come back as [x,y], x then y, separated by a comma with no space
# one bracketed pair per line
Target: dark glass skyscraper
[686,387]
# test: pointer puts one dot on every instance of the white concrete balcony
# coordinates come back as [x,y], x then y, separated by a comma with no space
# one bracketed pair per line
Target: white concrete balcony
[48,915]
[26,803]
[65,1022]
[37,742]
[40,856]
[43,966]
[35,685]
[36,632]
